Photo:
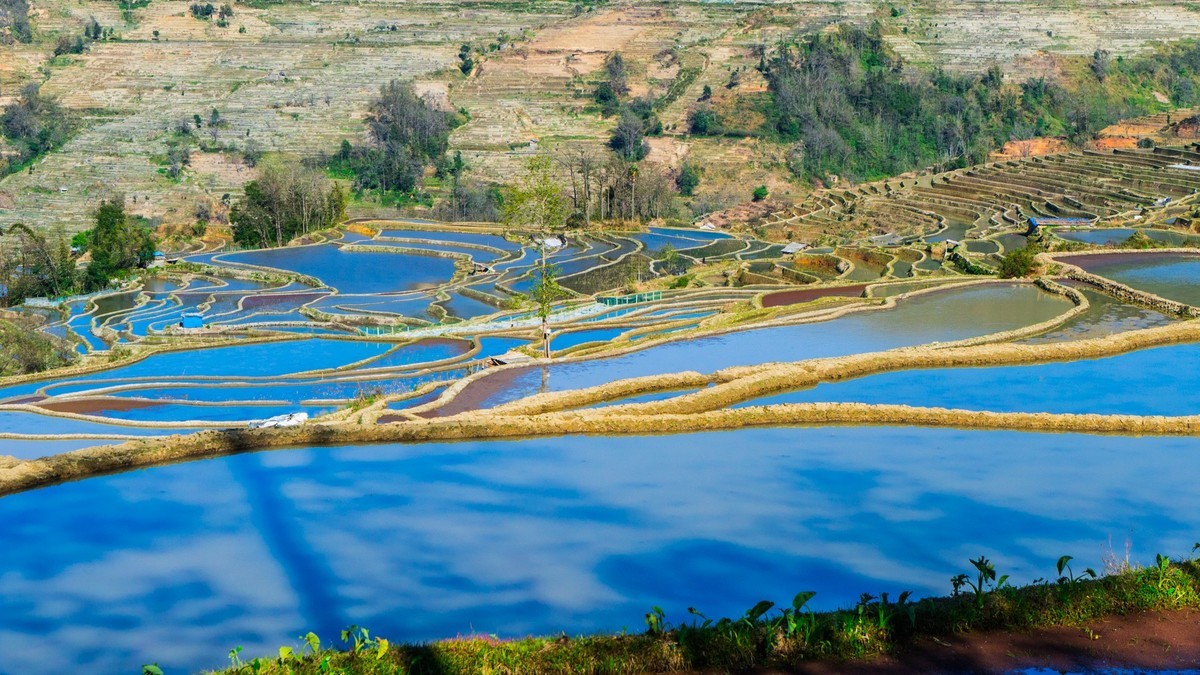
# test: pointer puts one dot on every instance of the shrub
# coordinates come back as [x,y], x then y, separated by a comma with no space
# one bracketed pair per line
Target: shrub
[687,180]
[1018,263]
[703,121]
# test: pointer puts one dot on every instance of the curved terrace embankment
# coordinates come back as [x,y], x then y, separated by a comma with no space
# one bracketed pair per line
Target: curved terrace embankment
[742,384]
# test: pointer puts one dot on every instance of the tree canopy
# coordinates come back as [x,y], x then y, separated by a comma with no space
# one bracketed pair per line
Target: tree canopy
[852,107]
[536,200]
[408,133]
[287,200]
[34,124]
[117,244]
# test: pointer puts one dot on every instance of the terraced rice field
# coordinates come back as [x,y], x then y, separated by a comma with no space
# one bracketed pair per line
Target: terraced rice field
[993,198]
[296,78]
[424,324]
[413,326]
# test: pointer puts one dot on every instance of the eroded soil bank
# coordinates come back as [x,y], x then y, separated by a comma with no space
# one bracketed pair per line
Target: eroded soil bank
[1140,642]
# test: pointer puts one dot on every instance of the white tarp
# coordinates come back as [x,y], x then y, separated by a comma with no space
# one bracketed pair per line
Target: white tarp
[279,421]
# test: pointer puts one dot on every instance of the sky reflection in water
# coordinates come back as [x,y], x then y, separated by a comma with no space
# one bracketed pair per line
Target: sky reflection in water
[179,564]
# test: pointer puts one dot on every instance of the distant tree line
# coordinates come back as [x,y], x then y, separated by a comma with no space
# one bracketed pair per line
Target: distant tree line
[117,244]
[33,265]
[849,106]
[607,186]
[14,22]
[76,44]
[469,200]
[24,349]
[207,11]
[636,118]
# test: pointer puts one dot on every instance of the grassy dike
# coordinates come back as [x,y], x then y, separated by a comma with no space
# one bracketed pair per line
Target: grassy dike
[767,636]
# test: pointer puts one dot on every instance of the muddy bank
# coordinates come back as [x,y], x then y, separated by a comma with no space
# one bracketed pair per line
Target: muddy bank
[1142,641]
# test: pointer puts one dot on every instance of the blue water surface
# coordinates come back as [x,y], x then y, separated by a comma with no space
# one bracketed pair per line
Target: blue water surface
[178,564]
[1171,276]
[952,314]
[355,271]
[1155,381]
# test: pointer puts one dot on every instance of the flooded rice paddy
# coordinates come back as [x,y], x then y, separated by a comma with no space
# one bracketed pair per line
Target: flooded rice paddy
[179,564]
[942,316]
[1145,382]
[1117,235]
[1169,275]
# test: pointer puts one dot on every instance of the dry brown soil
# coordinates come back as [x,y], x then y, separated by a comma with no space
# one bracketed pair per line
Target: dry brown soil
[1146,641]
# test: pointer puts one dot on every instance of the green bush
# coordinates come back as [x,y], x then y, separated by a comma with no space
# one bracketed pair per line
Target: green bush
[688,180]
[1018,263]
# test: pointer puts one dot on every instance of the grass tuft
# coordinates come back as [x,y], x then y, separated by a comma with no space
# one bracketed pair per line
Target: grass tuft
[765,636]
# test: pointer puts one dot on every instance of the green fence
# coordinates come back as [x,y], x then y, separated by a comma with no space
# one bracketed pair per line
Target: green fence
[617,300]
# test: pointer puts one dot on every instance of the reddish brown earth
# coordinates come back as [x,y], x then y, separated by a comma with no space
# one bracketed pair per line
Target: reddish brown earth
[1033,147]
[796,297]
[475,393]
[86,406]
[1114,143]
[1142,642]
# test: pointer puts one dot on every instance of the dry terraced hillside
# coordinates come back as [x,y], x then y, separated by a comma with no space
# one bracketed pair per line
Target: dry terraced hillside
[296,78]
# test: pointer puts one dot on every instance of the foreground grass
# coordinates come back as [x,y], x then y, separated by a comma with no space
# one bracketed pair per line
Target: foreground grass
[765,637]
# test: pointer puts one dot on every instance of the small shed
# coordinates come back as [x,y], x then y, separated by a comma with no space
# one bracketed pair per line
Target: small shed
[794,247]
